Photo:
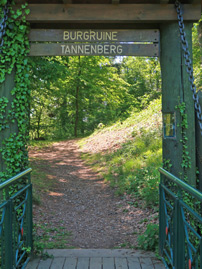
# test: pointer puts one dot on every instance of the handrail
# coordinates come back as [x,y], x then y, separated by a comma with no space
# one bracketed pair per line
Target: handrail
[15,178]
[182,184]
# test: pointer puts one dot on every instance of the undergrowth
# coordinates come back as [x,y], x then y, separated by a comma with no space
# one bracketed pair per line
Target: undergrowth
[133,167]
[40,144]
[50,237]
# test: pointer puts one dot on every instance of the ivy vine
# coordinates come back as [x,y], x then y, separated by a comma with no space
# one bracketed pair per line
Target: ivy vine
[14,111]
[186,159]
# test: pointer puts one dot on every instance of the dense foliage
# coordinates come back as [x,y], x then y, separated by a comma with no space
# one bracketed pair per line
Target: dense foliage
[71,96]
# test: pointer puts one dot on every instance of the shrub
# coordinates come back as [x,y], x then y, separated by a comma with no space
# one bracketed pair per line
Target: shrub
[149,240]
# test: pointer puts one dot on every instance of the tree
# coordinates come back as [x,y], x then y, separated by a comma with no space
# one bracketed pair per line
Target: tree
[144,78]
[72,95]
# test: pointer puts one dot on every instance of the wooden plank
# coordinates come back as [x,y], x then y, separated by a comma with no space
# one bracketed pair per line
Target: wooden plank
[121,263]
[116,2]
[96,263]
[83,263]
[133,263]
[108,263]
[33,264]
[45,264]
[70,263]
[58,263]
[146,263]
[128,13]
[164,1]
[158,265]
[61,49]
[59,35]
[67,1]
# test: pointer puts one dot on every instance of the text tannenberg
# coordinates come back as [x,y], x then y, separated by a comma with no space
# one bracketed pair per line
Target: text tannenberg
[93,48]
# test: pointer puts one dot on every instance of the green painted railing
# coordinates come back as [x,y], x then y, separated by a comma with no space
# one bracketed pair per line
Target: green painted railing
[16,221]
[180,223]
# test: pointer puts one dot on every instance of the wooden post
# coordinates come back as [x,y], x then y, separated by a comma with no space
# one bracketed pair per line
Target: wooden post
[199,147]
[175,90]
[5,91]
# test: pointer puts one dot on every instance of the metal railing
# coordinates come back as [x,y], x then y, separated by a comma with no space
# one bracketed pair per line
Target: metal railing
[16,221]
[180,223]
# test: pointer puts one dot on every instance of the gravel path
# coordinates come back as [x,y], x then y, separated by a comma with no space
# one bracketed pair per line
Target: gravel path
[81,202]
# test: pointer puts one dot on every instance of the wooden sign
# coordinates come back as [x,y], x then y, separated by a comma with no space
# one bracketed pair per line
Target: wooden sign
[55,35]
[95,42]
[106,49]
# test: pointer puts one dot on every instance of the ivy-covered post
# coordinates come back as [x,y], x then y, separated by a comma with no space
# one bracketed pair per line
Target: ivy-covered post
[6,126]
[177,105]
[14,92]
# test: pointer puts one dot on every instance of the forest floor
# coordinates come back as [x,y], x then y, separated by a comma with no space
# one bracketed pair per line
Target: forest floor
[76,208]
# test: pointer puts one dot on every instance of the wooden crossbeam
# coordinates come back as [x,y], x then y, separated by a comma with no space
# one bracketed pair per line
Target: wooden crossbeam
[116,2]
[164,1]
[96,13]
[67,1]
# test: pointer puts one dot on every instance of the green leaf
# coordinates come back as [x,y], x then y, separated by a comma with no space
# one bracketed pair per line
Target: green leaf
[27,11]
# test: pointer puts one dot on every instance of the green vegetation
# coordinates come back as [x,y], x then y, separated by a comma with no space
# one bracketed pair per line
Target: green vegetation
[40,144]
[40,180]
[133,168]
[149,240]
[50,237]
[72,96]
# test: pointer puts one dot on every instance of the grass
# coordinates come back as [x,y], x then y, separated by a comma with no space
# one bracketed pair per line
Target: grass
[133,167]
[40,144]
[48,237]
[40,180]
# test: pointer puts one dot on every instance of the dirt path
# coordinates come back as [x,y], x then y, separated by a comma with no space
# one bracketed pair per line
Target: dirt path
[81,202]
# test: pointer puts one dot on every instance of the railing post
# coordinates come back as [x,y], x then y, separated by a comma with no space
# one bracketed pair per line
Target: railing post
[8,236]
[29,218]
[161,221]
[179,237]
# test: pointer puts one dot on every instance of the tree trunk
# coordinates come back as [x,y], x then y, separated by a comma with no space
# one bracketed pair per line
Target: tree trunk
[77,102]
[200,37]
[39,123]
[77,112]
